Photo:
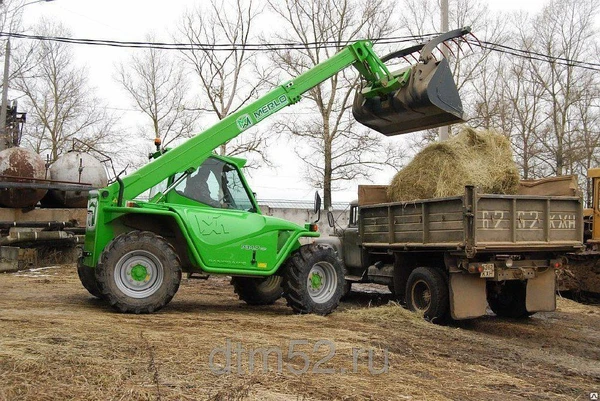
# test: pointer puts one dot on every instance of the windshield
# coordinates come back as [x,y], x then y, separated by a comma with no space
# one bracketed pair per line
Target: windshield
[217,184]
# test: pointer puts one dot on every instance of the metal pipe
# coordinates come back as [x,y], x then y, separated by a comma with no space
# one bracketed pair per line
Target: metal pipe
[37,224]
[58,187]
[35,236]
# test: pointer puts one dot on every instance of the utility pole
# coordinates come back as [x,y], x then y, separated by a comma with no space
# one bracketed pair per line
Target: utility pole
[443,132]
[4,142]
[4,137]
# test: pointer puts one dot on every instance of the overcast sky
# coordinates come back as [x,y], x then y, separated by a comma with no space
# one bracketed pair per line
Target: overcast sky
[131,20]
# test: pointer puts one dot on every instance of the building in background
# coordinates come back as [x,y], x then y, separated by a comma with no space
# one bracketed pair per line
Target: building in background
[301,212]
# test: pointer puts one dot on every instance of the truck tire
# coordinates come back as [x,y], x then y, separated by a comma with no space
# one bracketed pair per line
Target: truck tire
[139,272]
[87,276]
[510,300]
[427,293]
[258,291]
[313,280]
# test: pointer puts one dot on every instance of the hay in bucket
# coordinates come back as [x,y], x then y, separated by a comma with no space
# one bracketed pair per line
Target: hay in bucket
[480,158]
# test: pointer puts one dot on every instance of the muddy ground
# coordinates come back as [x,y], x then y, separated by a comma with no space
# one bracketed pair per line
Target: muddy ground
[59,343]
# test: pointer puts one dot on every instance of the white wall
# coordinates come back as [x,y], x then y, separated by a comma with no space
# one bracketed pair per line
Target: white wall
[301,216]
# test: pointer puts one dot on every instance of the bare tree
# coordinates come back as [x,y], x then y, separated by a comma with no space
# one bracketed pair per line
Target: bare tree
[588,141]
[563,30]
[521,117]
[333,147]
[543,103]
[60,103]
[521,103]
[470,68]
[220,31]
[11,12]
[157,84]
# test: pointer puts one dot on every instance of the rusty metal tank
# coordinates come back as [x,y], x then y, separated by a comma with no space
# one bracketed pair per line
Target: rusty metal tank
[21,166]
[79,168]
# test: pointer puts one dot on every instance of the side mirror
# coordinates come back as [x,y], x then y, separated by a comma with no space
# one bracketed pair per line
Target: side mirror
[317,208]
[330,219]
[317,202]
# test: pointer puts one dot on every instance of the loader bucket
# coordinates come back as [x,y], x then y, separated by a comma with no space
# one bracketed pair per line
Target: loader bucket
[428,100]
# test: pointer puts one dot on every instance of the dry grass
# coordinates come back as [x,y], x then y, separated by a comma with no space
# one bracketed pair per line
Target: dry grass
[480,158]
[58,343]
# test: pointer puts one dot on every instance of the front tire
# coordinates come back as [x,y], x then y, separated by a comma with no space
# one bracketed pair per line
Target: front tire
[427,293]
[139,272]
[258,291]
[314,280]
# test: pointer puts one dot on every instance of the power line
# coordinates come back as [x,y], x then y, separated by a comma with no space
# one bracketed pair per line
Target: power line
[527,54]
[535,56]
[210,46]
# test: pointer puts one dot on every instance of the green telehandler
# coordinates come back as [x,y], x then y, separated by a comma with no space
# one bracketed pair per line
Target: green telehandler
[202,217]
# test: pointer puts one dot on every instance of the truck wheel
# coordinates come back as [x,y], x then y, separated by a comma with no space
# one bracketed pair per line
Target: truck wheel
[509,301]
[139,272]
[258,291]
[427,292]
[87,277]
[313,280]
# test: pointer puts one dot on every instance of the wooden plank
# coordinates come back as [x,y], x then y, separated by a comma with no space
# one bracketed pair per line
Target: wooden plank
[372,194]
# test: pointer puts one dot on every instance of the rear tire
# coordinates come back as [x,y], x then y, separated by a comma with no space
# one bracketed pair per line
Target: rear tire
[87,276]
[313,280]
[139,272]
[258,291]
[510,300]
[427,293]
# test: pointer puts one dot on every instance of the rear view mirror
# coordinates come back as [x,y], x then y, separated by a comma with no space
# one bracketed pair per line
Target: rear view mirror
[330,219]
[317,202]
[317,207]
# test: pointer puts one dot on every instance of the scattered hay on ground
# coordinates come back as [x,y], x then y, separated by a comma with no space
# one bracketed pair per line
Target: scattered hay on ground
[57,343]
[480,158]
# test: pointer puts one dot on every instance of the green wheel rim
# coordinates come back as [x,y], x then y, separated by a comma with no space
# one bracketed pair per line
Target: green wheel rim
[322,282]
[139,274]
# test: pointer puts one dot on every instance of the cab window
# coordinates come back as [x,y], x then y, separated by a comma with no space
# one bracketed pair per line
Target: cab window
[353,220]
[217,184]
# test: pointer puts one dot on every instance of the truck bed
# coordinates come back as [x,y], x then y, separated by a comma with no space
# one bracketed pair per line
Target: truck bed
[476,222]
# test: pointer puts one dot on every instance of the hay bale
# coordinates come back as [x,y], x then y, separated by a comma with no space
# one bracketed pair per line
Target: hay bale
[480,158]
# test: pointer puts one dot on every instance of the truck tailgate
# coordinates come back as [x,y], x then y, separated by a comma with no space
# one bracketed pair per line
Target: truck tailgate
[476,222]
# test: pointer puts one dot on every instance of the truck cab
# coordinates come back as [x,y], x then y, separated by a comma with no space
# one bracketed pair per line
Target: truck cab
[347,242]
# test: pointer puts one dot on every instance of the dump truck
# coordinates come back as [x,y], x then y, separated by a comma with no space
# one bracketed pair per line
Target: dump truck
[202,217]
[452,256]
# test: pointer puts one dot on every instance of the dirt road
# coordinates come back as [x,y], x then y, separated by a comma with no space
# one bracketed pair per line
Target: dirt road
[59,343]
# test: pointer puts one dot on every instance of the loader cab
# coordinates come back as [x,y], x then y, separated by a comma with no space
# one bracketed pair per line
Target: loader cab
[218,183]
